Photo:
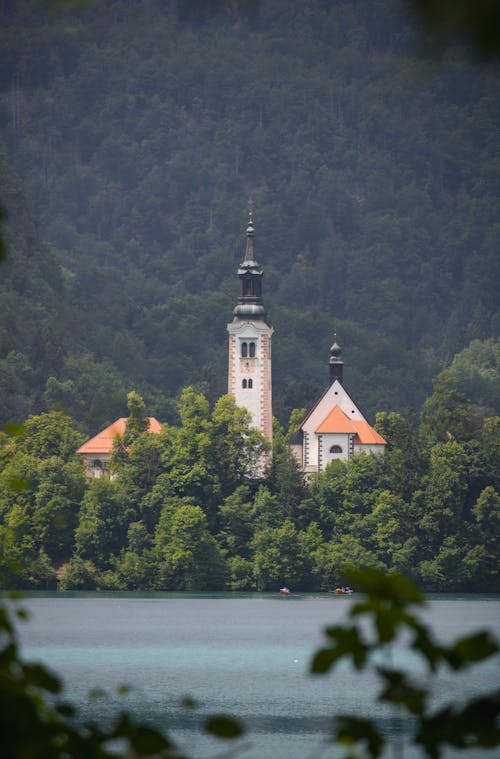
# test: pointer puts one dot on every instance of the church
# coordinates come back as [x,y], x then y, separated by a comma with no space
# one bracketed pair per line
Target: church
[334,428]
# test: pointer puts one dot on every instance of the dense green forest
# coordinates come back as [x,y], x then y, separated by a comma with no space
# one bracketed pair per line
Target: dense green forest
[183,511]
[133,135]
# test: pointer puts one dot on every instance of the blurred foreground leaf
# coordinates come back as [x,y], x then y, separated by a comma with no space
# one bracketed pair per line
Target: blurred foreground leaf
[224,727]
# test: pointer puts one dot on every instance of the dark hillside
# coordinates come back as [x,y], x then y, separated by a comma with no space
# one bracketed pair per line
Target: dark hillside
[139,133]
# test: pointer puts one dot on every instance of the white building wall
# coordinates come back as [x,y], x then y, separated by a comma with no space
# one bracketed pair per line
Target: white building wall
[252,369]
[330,440]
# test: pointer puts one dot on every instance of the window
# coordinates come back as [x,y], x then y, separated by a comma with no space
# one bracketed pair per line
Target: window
[244,350]
[335,449]
[248,287]
[250,383]
[244,383]
[252,350]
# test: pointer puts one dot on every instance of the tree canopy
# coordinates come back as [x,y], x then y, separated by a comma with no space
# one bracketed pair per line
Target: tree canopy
[191,508]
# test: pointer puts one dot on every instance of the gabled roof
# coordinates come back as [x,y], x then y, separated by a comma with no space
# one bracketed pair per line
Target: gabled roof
[103,441]
[337,422]
[332,395]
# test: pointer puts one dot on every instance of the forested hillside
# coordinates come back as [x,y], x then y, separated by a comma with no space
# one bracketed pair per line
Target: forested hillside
[134,134]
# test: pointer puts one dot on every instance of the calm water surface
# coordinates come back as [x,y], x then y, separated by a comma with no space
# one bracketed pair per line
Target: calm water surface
[244,654]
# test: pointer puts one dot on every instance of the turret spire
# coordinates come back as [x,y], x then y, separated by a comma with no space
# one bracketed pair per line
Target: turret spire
[335,363]
[249,254]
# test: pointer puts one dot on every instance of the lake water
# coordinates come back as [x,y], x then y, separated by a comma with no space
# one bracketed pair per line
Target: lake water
[243,654]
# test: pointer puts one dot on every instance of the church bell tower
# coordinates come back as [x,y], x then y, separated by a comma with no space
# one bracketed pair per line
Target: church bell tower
[249,376]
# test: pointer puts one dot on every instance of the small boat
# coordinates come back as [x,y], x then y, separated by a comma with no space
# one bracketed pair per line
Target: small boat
[285,591]
[343,591]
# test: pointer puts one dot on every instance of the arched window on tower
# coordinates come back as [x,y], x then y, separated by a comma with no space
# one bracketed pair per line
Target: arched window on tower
[244,350]
[244,383]
[250,383]
[251,348]
[249,286]
[335,449]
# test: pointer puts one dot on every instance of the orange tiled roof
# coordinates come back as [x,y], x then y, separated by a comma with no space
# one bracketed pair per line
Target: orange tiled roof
[103,441]
[338,422]
[366,434]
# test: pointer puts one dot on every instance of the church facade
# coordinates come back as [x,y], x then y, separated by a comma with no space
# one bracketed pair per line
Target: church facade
[334,428]
[250,339]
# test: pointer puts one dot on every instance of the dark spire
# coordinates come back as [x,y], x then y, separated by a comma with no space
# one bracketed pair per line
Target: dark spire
[249,255]
[250,272]
[335,363]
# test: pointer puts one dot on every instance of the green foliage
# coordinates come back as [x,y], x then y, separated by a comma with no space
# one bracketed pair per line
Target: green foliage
[388,604]
[89,390]
[236,522]
[49,435]
[41,487]
[236,447]
[286,478]
[183,509]
[277,557]
[448,414]
[136,422]
[189,557]
[476,369]
[105,516]
[79,575]
[335,557]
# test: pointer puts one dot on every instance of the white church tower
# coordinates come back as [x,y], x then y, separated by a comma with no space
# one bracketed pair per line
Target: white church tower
[249,376]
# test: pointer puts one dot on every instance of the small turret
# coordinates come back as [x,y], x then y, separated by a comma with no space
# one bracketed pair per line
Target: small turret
[335,363]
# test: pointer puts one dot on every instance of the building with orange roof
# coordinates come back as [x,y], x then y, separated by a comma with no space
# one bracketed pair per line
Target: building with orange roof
[97,451]
[334,428]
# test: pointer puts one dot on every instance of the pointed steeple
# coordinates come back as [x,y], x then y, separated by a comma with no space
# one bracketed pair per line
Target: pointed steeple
[249,377]
[250,272]
[335,363]
[249,255]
